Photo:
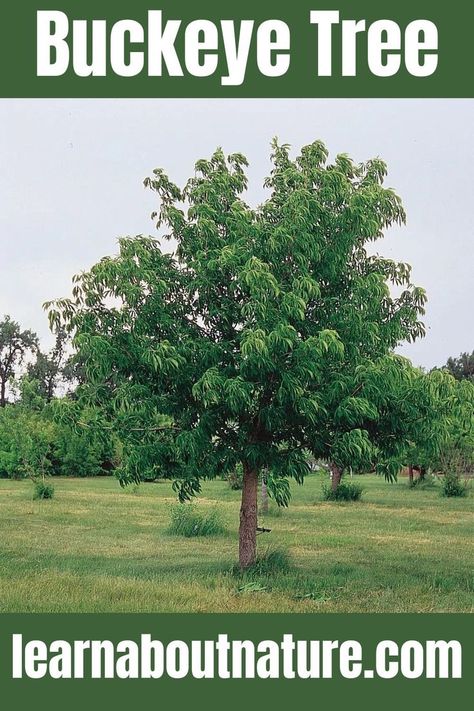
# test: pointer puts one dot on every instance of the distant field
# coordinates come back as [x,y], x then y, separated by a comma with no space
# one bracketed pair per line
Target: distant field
[96,548]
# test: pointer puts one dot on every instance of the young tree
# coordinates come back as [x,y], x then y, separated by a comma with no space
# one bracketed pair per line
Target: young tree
[15,344]
[245,344]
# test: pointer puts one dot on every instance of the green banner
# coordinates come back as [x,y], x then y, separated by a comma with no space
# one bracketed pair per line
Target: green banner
[245,49]
[153,659]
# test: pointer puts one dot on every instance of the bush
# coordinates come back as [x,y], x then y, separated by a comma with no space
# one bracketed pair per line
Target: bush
[346,491]
[43,490]
[187,521]
[453,486]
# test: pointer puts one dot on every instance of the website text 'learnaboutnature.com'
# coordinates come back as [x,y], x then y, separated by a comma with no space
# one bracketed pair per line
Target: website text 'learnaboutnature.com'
[226,658]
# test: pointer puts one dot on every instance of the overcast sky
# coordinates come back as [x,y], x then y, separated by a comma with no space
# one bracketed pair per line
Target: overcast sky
[72,172]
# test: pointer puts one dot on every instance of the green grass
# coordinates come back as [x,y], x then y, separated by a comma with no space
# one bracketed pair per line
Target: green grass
[95,547]
[188,521]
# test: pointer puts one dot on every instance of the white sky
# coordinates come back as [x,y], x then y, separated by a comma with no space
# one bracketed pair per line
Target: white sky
[72,172]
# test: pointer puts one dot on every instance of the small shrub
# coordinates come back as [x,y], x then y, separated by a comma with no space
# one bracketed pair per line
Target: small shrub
[43,490]
[346,491]
[187,521]
[453,486]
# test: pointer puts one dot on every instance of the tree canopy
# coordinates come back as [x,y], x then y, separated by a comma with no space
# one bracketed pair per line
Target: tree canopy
[265,333]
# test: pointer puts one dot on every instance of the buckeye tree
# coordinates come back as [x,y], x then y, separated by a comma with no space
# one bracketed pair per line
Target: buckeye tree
[245,340]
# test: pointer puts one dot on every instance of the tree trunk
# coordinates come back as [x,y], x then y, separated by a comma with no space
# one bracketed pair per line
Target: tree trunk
[422,473]
[248,518]
[264,507]
[336,474]
[410,475]
[3,398]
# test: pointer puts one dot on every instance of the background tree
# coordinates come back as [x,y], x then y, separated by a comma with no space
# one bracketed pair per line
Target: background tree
[73,373]
[462,368]
[15,344]
[414,415]
[47,369]
[428,424]
[246,344]
[456,457]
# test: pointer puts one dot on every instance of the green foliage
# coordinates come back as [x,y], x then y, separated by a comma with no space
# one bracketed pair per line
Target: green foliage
[448,445]
[265,338]
[249,337]
[42,490]
[61,438]
[85,445]
[15,345]
[27,443]
[278,489]
[453,486]
[47,369]
[423,418]
[346,491]
[462,367]
[187,521]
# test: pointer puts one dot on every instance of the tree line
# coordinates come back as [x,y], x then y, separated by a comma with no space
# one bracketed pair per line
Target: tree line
[45,428]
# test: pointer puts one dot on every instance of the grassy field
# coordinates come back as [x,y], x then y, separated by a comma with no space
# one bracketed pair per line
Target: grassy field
[95,547]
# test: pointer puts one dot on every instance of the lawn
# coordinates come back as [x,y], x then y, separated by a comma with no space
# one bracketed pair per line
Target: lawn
[96,547]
